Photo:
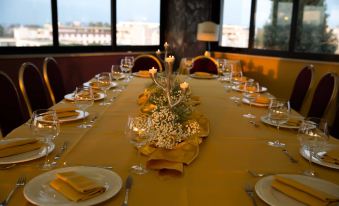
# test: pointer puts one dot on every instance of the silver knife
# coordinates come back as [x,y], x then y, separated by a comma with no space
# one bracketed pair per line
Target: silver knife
[128,186]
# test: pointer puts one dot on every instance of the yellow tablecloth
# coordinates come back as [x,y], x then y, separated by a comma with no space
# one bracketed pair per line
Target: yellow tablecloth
[216,177]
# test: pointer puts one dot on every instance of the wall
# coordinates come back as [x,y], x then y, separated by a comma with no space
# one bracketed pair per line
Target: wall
[279,74]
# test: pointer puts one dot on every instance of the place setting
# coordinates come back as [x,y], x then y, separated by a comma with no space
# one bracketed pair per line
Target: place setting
[204,75]
[73,186]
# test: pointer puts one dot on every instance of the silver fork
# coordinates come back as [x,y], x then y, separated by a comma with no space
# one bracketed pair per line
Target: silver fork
[250,192]
[20,182]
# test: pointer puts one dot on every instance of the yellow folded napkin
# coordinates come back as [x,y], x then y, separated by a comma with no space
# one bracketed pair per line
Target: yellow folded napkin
[76,187]
[96,94]
[63,112]
[302,193]
[294,122]
[143,73]
[8,148]
[331,156]
[262,99]
[173,159]
[202,74]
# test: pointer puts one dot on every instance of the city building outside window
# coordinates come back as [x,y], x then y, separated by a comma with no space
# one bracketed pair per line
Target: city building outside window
[25,23]
[138,22]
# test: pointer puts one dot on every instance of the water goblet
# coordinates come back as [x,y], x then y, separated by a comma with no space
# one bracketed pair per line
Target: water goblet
[131,64]
[313,136]
[188,63]
[84,98]
[278,114]
[45,125]
[104,81]
[126,67]
[251,87]
[137,131]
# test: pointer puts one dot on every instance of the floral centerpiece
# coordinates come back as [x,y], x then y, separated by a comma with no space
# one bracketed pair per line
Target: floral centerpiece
[171,125]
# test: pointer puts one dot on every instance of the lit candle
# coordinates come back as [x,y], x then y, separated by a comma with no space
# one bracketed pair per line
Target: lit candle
[152,71]
[166,45]
[184,85]
[170,59]
[158,52]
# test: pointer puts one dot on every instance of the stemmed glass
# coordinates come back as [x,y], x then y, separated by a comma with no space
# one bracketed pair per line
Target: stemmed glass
[84,98]
[188,63]
[137,131]
[250,88]
[278,114]
[131,64]
[45,125]
[104,81]
[236,76]
[313,136]
[126,65]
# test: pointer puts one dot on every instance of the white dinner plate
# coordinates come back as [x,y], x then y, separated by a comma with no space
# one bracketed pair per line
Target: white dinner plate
[27,156]
[81,115]
[306,154]
[266,120]
[247,101]
[212,76]
[237,88]
[87,84]
[275,198]
[70,97]
[39,192]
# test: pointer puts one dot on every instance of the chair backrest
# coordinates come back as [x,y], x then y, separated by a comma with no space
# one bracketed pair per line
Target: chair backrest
[146,62]
[301,87]
[334,131]
[33,88]
[11,107]
[324,94]
[204,64]
[53,79]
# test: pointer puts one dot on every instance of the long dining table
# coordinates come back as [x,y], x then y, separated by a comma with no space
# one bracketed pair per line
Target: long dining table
[216,177]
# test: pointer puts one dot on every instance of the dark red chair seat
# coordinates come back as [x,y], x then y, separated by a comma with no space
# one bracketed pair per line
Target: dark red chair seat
[204,64]
[11,107]
[33,88]
[146,62]
[324,94]
[53,79]
[301,87]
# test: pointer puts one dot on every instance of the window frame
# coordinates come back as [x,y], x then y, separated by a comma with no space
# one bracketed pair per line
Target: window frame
[290,53]
[56,48]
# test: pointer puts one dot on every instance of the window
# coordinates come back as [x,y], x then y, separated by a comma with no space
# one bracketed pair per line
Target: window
[25,23]
[138,22]
[84,22]
[273,24]
[235,27]
[318,27]
[306,29]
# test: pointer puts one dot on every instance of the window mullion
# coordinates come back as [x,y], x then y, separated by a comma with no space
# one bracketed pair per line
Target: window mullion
[113,24]
[252,25]
[294,24]
[55,29]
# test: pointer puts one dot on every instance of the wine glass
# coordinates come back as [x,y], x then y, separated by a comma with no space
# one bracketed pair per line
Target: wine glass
[137,131]
[84,98]
[236,76]
[104,81]
[251,87]
[188,62]
[131,64]
[278,114]
[313,136]
[126,65]
[45,125]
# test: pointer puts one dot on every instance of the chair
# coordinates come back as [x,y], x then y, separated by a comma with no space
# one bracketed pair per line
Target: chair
[146,62]
[33,88]
[53,79]
[324,94]
[204,64]
[334,131]
[11,108]
[301,87]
